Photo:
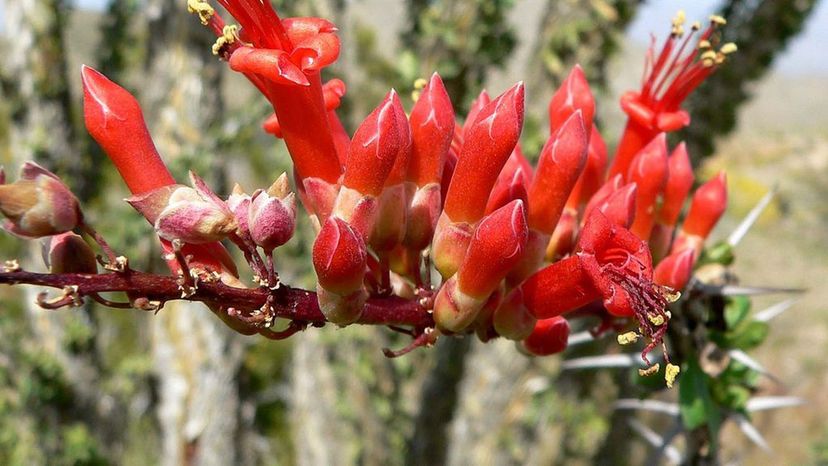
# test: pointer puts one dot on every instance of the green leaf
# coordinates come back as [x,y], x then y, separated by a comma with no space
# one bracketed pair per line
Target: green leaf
[749,336]
[736,310]
[695,401]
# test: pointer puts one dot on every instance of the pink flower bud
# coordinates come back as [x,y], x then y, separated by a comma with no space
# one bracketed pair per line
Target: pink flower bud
[550,336]
[239,203]
[272,216]
[339,257]
[374,148]
[574,95]
[192,215]
[69,253]
[38,204]
[432,128]
[487,145]
[561,163]
[649,171]
[675,270]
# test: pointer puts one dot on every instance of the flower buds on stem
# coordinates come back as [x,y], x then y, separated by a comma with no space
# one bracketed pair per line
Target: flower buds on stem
[340,260]
[38,204]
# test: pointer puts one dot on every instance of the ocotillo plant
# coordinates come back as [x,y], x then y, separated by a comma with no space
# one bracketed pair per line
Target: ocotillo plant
[518,249]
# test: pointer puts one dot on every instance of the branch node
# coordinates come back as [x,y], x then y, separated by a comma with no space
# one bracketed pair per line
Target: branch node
[10,266]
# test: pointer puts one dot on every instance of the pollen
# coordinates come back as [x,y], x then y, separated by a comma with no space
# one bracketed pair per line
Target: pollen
[718,20]
[650,370]
[704,44]
[670,374]
[657,320]
[628,338]
[728,48]
[229,35]
[419,85]
[202,9]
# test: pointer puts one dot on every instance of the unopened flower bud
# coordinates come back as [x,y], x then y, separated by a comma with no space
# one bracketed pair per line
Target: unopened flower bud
[649,171]
[239,203]
[549,336]
[38,204]
[512,320]
[339,257]
[675,270]
[272,220]
[69,253]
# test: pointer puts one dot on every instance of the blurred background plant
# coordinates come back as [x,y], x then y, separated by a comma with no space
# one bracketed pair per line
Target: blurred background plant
[97,386]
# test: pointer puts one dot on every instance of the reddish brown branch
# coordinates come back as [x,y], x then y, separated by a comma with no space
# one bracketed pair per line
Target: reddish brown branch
[289,303]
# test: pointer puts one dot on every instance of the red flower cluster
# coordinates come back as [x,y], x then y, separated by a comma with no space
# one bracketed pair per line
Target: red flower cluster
[516,246]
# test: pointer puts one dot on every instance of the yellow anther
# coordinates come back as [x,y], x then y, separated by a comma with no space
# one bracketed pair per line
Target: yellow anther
[419,85]
[708,58]
[650,370]
[670,294]
[720,58]
[704,44]
[718,20]
[679,19]
[657,320]
[228,35]
[670,374]
[696,26]
[627,338]
[728,48]
[202,9]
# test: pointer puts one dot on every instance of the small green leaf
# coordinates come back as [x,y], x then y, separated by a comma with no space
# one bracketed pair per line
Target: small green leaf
[695,401]
[736,310]
[749,336]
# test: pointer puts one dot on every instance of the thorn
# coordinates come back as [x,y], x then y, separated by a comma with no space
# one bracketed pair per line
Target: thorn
[743,358]
[775,310]
[735,290]
[656,406]
[764,403]
[604,361]
[751,218]
[655,440]
[751,432]
[580,338]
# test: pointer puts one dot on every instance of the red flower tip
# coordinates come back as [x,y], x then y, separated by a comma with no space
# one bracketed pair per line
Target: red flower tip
[403,157]
[649,171]
[273,65]
[709,203]
[333,91]
[674,271]
[487,145]
[600,197]
[619,207]
[593,175]
[512,183]
[496,246]
[114,119]
[339,257]
[550,336]
[432,128]
[477,104]
[374,148]
[679,182]
[315,44]
[573,95]
[561,162]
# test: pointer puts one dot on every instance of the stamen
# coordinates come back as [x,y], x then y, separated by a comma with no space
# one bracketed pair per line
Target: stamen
[229,35]
[717,20]
[202,9]
[650,370]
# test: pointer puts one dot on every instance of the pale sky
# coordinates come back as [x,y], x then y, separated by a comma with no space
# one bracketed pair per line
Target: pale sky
[806,55]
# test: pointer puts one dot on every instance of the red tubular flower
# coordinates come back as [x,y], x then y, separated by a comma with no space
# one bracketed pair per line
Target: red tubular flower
[574,95]
[550,336]
[494,249]
[512,183]
[670,76]
[284,61]
[709,203]
[561,163]
[340,259]
[476,106]
[114,119]
[675,270]
[649,171]
[487,145]
[432,128]
[679,182]
[593,175]
[610,263]
[375,147]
